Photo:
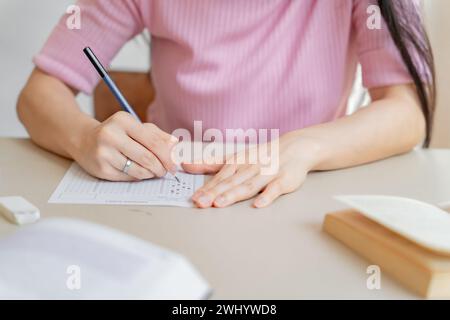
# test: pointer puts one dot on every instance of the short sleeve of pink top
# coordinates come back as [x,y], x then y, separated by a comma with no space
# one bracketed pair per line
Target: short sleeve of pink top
[273,64]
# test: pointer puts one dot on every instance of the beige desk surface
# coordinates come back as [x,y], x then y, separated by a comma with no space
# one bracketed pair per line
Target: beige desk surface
[278,252]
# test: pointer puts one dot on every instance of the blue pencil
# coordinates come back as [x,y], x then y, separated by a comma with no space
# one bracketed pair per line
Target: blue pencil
[109,82]
[112,86]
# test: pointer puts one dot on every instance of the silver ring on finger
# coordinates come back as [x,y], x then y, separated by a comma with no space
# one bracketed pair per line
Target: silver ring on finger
[127,166]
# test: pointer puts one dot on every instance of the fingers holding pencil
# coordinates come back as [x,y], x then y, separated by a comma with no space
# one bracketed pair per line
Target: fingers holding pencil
[121,138]
[158,144]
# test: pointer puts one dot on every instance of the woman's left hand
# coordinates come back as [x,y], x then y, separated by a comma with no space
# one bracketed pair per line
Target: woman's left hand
[237,180]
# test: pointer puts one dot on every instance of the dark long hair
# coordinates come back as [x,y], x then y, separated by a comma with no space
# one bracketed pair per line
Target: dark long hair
[405,25]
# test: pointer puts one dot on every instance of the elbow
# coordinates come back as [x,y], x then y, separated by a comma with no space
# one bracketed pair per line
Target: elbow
[28,98]
[415,126]
[417,132]
[25,110]
[21,106]
[422,128]
[25,105]
[423,131]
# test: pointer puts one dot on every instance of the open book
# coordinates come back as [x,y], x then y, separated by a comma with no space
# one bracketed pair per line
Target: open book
[406,238]
[426,225]
[70,259]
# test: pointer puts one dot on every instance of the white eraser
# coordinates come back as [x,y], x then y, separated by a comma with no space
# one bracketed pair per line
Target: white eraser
[18,210]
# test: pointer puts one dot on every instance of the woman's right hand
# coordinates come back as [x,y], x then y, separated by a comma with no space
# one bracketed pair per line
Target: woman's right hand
[104,149]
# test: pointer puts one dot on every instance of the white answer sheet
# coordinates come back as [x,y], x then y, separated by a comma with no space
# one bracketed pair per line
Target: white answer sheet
[78,187]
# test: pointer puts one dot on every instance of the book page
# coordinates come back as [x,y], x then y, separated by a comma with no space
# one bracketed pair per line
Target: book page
[60,258]
[78,187]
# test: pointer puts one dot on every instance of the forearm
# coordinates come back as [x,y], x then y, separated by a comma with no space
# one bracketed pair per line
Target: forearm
[51,115]
[391,125]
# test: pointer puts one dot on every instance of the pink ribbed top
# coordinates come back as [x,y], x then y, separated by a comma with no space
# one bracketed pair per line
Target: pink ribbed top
[277,64]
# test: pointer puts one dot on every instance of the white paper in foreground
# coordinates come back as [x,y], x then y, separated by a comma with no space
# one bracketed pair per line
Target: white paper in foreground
[61,258]
[78,187]
[422,223]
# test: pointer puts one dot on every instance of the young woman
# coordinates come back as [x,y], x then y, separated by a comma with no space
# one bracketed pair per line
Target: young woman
[274,64]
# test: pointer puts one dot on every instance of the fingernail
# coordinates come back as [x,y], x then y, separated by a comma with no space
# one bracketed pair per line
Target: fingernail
[220,201]
[173,139]
[204,200]
[260,202]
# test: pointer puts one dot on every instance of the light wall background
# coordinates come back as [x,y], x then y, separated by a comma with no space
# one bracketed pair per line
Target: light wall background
[437,17]
[25,24]
[24,27]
